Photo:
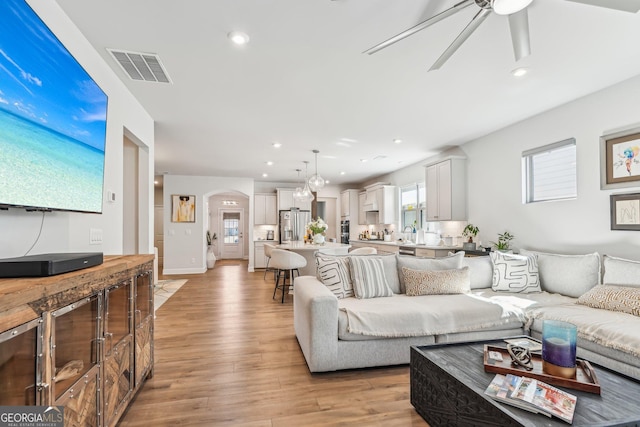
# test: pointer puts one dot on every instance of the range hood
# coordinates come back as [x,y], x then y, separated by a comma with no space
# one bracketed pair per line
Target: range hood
[371,201]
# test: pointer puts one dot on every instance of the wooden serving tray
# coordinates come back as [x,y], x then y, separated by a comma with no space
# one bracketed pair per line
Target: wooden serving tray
[585,379]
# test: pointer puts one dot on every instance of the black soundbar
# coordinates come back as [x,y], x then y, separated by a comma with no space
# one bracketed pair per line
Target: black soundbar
[44,265]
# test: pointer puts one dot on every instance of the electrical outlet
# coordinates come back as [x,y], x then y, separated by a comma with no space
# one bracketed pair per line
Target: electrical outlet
[95,236]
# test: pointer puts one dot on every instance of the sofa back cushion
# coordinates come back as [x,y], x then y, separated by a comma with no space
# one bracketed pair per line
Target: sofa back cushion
[515,273]
[620,271]
[480,271]
[446,263]
[436,282]
[570,275]
[368,277]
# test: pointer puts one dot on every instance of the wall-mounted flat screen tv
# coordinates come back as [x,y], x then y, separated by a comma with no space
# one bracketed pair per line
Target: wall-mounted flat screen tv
[53,119]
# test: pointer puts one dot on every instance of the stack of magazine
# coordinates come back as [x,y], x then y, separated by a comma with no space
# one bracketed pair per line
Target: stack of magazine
[533,395]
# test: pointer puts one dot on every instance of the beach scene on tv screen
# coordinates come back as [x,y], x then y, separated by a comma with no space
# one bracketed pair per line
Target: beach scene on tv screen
[52,119]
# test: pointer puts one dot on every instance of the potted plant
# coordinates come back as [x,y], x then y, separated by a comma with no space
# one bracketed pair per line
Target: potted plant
[317,228]
[504,242]
[470,231]
[211,256]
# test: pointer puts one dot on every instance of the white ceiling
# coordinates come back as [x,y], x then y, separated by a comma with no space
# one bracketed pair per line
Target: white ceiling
[304,82]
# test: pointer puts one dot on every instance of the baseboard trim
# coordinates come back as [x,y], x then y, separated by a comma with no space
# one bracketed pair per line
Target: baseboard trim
[171,271]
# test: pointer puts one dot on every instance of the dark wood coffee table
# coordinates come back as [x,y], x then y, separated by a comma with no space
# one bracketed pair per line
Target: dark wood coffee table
[448,383]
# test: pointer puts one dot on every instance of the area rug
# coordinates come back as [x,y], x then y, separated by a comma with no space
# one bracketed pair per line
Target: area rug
[164,289]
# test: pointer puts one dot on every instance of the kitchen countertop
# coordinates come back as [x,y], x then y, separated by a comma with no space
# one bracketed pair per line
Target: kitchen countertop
[399,243]
[301,246]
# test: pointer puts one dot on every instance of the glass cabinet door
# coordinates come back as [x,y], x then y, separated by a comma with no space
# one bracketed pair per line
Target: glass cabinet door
[19,365]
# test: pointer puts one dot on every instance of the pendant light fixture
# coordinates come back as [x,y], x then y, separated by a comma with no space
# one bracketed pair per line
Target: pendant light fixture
[307,195]
[316,182]
[297,193]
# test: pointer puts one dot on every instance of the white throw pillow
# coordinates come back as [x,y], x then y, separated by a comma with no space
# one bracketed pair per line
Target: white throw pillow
[368,277]
[436,282]
[570,275]
[334,273]
[620,271]
[515,273]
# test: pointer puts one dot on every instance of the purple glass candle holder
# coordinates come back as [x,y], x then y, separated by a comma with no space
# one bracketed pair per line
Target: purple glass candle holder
[559,348]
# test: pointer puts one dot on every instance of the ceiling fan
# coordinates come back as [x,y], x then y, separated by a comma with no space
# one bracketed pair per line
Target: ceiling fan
[516,10]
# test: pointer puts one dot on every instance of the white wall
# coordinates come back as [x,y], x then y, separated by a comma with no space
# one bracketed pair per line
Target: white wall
[69,232]
[185,244]
[572,226]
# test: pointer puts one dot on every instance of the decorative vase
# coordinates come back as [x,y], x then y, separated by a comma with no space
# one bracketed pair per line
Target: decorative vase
[559,348]
[318,239]
[211,257]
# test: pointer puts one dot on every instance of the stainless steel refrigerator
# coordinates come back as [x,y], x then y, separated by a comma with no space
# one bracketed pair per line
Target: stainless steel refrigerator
[293,225]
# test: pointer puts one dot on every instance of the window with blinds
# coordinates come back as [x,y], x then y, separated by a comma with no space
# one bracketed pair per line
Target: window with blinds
[549,172]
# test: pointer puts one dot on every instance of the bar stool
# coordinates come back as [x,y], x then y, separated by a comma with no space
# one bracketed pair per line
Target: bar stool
[267,253]
[285,263]
[364,251]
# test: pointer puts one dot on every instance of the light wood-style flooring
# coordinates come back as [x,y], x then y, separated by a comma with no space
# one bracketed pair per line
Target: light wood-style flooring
[226,355]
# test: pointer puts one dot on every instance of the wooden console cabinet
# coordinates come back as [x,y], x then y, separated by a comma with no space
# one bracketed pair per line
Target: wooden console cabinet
[83,340]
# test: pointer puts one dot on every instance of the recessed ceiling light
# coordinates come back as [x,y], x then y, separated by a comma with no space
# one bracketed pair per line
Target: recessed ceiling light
[269,163]
[342,173]
[519,72]
[397,141]
[326,181]
[156,182]
[363,160]
[276,145]
[238,37]
[264,175]
[348,140]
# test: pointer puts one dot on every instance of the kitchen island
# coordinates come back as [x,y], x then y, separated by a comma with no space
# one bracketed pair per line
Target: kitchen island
[308,252]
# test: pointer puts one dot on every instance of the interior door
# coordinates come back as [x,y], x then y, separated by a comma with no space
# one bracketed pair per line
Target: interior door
[232,239]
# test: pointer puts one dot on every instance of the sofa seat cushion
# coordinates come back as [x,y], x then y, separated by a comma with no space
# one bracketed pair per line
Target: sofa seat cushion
[619,332]
[406,316]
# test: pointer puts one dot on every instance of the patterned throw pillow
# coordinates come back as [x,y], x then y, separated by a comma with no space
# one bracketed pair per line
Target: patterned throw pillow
[333,272]
[436,282]
[368,277]
[515,273]
[613,298]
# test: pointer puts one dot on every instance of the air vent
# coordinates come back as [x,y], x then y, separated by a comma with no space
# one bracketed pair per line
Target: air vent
[141,66]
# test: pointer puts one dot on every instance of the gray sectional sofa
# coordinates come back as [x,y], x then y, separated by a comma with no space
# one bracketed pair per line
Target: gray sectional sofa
[337,330]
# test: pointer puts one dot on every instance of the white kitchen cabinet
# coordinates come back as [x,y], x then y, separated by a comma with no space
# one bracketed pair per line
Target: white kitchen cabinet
[387,204]
[286,201]
[265,210]
[348,204]
[446,190]
[362,214]
[260,260]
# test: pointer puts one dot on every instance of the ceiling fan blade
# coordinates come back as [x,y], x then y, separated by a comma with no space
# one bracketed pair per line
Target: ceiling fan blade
[421,26]
[623,5]
[464,35]
[519,26]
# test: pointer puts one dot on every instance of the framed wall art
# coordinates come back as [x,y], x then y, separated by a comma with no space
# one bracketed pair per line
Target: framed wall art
[625,211]
[620,159]
[183,208]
